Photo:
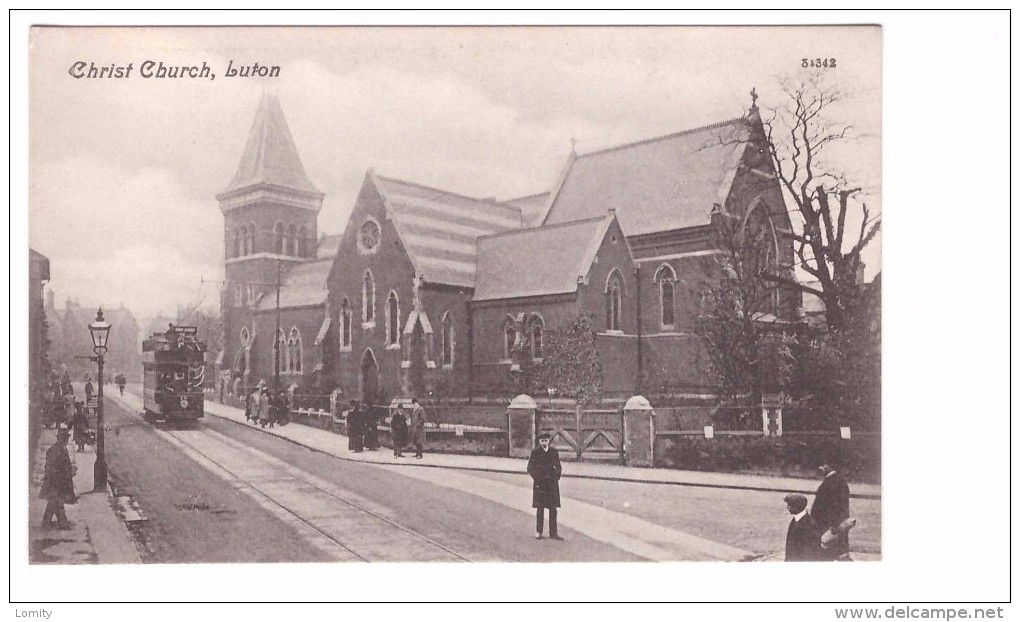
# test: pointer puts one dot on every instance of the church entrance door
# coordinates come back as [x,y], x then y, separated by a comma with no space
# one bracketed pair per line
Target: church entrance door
[369,378]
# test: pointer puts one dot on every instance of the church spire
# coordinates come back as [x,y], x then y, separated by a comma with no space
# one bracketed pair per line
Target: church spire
[270,156]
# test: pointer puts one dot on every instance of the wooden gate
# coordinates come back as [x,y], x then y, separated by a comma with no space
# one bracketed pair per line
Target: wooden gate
[580,434]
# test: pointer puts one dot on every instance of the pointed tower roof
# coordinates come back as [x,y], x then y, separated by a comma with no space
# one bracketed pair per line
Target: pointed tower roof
[270,156]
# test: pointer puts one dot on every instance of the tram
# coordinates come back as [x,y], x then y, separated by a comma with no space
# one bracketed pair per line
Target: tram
[174,368]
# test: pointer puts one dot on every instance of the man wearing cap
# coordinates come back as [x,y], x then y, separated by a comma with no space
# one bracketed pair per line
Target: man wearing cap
[58,482]
[831,508]
[803,536]
[544,468]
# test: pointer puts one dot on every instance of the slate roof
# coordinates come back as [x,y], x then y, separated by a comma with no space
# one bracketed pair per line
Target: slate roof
[303,285]
[270,156]
[661,184]
[438,228]
[532,207]
[328,246]
[556,256]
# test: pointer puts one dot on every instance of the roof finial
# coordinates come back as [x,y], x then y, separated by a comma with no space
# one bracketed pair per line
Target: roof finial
[754,99]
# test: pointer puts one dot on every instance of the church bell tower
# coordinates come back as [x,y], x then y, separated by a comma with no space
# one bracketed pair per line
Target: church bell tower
[270,213]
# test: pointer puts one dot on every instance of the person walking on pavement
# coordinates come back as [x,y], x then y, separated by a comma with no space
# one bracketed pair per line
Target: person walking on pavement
[262,413]
[89,390]
[831,508]
[803,538]
[355,428]
[251,402]
[544,468]
[58,482]
[398,427]
[416,428]
[371,427]
[80,425]
[121,382]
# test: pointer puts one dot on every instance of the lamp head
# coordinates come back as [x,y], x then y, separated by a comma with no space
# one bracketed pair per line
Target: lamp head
[100,330]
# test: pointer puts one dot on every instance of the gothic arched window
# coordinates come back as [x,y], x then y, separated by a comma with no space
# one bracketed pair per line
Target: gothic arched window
[666,278]
[291,247]
[296,351]
[509,333]
[282,352]
[392,319]
[301,246]
[251,240]
[345,323]
[448,338]
[536,328]
[760,254]
[614,300]
[368,298]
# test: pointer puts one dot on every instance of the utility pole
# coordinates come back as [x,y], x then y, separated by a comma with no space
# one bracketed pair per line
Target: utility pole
[276,340]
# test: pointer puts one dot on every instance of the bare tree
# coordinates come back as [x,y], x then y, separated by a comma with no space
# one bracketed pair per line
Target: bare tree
[834,225]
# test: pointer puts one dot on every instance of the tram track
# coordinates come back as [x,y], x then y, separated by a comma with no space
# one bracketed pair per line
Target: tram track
[323,514]
[311,482]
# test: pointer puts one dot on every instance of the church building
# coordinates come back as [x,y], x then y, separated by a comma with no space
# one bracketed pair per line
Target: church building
[430,292]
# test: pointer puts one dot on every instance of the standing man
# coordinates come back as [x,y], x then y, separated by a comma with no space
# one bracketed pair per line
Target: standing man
[58,482]
[355,428]
[262,410]
[831,508]
[89,390]
[398,429]
[544,468]
[803,538]
[417,427]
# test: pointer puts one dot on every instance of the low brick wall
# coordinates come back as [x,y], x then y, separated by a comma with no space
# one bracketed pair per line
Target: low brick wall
[793,454]
[446,441]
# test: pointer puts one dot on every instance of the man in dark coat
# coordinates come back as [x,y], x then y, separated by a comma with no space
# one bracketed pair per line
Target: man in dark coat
[832,507]
[58,482]
[398,429]
[122,381]
[80,425]
[416,427]
[803,538]
[544,468]
[89,390]
[355,428]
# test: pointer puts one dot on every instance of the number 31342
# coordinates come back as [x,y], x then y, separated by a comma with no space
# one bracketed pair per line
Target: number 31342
[828,63]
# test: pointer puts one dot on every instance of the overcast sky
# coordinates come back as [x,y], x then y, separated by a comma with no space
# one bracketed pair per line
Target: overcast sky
[124,172]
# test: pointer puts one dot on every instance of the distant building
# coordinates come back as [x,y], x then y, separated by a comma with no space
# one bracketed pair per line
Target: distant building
[430,291]
[70,337]
[38,337]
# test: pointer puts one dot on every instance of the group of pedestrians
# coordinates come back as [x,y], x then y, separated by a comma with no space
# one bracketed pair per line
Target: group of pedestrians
[264,409]
[406,431]
[823,534]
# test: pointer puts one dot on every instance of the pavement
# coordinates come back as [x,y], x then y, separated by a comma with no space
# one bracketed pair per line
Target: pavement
[99,534]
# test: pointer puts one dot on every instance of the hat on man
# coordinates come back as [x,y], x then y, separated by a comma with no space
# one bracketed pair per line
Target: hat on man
[544,435]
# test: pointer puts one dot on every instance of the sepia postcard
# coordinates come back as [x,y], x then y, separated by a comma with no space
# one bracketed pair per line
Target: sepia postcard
[312,295]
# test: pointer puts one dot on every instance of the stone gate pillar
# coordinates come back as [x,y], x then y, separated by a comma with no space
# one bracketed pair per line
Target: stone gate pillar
[520,427]
[638,432]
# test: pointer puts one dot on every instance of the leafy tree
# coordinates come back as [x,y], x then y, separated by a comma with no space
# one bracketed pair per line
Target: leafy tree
[570,363]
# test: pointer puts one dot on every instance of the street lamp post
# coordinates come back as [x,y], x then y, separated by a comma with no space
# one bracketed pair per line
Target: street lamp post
[100,330]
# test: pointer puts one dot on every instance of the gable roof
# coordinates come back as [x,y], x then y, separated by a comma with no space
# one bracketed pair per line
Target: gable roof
[661,184]
[439,228]
[303,285]
[328,246]
[270,156]
[532,207]
[557,257]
